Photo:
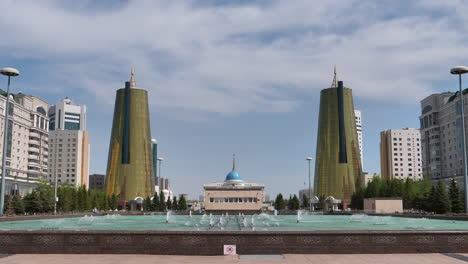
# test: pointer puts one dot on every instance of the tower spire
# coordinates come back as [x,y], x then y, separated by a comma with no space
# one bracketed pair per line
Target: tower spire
[335,79]
[132,79]
[233,162]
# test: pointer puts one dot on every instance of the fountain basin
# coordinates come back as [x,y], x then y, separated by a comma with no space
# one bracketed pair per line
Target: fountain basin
[253,234]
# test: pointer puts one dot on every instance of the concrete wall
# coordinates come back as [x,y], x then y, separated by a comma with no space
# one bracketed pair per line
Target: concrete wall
[211,242]
[383,205]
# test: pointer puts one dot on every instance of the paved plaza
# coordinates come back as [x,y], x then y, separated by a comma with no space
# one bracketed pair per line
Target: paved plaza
[259,259]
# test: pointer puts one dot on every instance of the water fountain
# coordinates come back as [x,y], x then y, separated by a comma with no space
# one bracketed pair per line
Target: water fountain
[156,227]
[168,215]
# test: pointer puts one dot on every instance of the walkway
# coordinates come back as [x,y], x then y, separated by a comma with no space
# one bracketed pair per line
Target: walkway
[322,259]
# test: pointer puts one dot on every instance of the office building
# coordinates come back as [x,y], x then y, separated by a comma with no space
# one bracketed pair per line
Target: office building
[400,154]
[97,181]
[338,161]
[234,194]
[130,164]
[441,136]
[28,142]
[357,117]
[69,144]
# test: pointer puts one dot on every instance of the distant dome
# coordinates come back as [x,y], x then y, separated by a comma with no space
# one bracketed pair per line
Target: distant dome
[233,176]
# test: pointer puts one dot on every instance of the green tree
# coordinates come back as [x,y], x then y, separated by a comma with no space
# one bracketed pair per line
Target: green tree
[147,204]
[155,203]
[169,203]
[455,197]
[175,205]
[290,203]
[357,199]
[439,200]
[279,202]
[182,203]
[113,202]
[162,202]
[46,195]
[295,204]
[305,202]
[32,203]
[18,204]
[105,202]
[409,194]
[374,188]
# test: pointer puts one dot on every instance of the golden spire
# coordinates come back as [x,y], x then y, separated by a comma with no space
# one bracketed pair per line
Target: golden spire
[233,162]
[132,79]
[335,79]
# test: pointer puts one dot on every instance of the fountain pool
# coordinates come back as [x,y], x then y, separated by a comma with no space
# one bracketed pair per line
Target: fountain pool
[261,222]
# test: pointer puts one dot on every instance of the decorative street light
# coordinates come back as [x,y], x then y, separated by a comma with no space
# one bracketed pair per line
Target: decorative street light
[10,72]
[159,166]
[310,189]
[459,70]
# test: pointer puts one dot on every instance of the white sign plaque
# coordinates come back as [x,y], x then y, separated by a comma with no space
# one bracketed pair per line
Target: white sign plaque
[229,249]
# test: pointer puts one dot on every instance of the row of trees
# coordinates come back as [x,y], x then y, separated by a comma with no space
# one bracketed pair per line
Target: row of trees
[159,204]
[72,199]
[292,203]
[418,195]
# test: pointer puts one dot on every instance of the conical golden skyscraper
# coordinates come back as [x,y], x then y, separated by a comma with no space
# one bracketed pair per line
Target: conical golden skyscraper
[337,166]
[129,166]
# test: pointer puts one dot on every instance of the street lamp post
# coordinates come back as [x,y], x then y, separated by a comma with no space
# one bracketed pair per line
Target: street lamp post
[159,166]
[459,70]
[310,186]
[7,72]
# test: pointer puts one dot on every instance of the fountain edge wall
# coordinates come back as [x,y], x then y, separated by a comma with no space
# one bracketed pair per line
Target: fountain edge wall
[247,242]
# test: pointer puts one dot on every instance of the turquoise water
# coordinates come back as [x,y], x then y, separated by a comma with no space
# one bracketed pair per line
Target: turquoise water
[260,222]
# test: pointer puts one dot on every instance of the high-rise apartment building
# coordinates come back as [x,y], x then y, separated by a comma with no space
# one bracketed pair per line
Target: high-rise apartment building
[28,142]
[441,136]
[338,161]
[69,144]
[400,154]
[357,117]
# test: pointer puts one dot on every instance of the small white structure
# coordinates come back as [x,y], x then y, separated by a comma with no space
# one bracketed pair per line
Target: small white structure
[386,205]
[332,203]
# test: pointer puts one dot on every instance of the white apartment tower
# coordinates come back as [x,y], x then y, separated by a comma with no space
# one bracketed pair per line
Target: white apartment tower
[357,116]
[69,144]
[400,154]
[27,152]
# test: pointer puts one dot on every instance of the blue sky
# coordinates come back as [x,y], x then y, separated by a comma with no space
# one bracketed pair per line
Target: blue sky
[236,76]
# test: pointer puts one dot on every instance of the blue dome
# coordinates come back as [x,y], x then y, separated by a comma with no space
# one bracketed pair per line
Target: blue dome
[233,176]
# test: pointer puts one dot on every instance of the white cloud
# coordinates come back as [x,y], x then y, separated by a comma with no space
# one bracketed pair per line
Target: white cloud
[239,58]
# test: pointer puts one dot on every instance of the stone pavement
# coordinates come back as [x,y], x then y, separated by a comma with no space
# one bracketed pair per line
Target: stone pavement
[164,259]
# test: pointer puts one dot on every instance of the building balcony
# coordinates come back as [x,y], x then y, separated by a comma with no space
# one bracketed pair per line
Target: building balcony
[32,156]
[35,141]
[34,134]
[34,161]
[34,149]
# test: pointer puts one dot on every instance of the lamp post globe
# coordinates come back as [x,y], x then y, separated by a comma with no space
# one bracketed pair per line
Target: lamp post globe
[10,72]
[459,70]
